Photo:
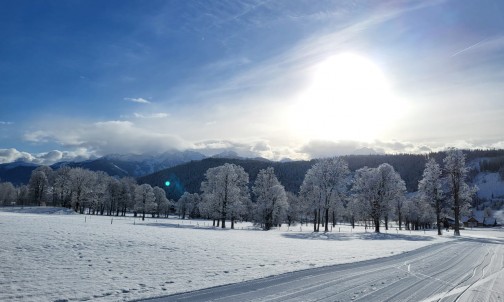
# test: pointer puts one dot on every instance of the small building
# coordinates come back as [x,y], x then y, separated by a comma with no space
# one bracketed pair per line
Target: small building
[478,219]
[490,222]
[471,222]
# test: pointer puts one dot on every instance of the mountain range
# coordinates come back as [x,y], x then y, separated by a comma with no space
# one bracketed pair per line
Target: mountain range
[119,165]
[186,169]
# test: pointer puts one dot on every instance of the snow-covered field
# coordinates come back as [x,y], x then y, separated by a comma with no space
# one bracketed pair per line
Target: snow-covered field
[46,257]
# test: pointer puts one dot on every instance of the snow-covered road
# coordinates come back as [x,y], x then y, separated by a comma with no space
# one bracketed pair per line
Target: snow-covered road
[462,270]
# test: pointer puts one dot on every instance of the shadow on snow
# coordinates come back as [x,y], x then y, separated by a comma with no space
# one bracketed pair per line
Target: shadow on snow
[352,236]
[195,227]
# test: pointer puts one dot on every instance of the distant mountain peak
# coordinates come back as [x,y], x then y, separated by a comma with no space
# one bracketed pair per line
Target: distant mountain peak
[227,154]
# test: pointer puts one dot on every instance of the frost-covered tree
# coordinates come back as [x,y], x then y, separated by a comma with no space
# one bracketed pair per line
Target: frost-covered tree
[82,182]
[165,207]
[160,198]
[38,186]
[208,209]
[114,197]
[144,199]
[430,188]
[398,208]
[99,195]
[8,194]
[459,192]
[188,204]
[376,189]
[311,194]
[271,199]
[225,192]
[353,210]
[418,213]
[327,180]
[193,206]
[127,200]
[295,209]
[62,187]
[23,195]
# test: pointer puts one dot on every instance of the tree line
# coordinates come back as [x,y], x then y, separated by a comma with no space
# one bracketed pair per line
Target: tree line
[329,192]
[87,192]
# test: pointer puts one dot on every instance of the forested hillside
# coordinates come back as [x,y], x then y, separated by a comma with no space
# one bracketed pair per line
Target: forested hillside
[188,177]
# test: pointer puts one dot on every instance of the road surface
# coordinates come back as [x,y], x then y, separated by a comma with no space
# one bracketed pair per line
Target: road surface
[462,270]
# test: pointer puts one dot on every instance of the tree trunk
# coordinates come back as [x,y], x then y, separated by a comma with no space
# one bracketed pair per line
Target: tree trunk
[326,220]
[456,211]
[232,222]
[386,222]
[377,225]
[318,220]
[314,220]
[438,220]
[399,214]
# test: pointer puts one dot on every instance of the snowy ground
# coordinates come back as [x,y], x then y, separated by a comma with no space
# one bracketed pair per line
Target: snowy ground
[48,257]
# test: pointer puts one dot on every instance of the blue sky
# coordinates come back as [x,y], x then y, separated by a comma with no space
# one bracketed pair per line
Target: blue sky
[298,79]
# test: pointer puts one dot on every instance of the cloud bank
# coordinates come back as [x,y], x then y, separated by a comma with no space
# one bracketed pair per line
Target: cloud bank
[46,158]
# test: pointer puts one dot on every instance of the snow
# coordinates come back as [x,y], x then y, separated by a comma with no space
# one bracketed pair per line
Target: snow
[47,257]
[487,233]
[40,210]
[489,184]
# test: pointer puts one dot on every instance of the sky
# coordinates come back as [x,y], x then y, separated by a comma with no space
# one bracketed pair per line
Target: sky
[278,79]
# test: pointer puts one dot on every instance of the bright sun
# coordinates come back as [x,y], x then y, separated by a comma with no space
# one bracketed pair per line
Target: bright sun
[349,99]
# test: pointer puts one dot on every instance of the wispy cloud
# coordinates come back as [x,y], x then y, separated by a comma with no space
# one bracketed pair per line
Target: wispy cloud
[487,44]
[6,123]
[468,48]
[137,100]
[151,115]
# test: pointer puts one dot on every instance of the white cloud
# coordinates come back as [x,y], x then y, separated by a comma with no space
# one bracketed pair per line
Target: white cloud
[213,147]
[5,123]
[11,155]
[151,115]
[324,148]
[38,136]
[45,158]
[107,137]
[137,100]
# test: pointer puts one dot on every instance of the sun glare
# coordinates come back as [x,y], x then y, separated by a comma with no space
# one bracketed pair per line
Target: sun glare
[349,99]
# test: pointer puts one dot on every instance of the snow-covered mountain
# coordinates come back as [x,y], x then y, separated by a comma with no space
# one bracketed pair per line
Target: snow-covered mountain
[138,165]
[120,165]
[143,164]
[227,154]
